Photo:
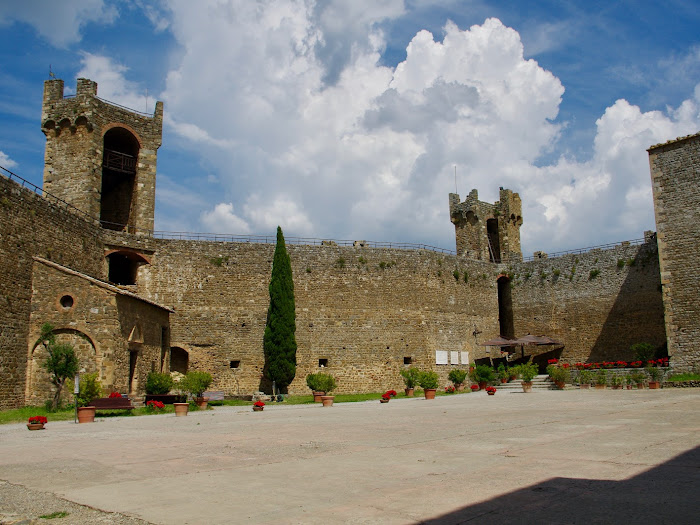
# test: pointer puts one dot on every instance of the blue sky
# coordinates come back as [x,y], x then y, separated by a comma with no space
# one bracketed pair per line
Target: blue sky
[345,120]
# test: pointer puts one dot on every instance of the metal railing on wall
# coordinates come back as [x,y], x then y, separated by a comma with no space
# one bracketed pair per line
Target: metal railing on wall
[272,239]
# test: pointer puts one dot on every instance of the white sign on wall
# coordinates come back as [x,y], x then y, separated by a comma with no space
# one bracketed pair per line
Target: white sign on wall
[454,358]
[440,357]
[465,358]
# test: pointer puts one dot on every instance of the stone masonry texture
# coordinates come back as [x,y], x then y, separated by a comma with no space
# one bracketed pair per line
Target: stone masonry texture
[363,313]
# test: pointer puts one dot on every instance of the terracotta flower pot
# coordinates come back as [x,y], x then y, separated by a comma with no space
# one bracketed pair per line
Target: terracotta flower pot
[409,392]
[181,409]
[429,393]
[35,426]
[560,384]
[86,414]
[327,401]
[383,400]
[317,396]
[482,385]
[600,387]
[584,386]
[653,385]
[459,387]
[258,409]
[202,402]
[527,386]
[491,392]
[640,386]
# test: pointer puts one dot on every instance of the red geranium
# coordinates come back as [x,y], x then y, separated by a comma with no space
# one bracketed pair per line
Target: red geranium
[565,365]
[493,388]
[392,393]
[386,396]
[259,404]
[154,405]
[450,389]
[552,361]
[38,419]
[115,394]
[475,387]
[636,364]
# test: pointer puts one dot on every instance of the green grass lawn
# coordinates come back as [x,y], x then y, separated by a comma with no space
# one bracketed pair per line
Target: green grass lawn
[684,377]
[21,415]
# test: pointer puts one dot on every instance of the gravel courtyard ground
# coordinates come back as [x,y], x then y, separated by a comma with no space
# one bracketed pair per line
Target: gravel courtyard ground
[546,457]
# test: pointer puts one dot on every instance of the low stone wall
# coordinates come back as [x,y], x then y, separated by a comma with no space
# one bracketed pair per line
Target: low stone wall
[681,384]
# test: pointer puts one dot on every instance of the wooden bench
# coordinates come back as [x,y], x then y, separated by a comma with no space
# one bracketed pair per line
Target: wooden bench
[214,395]
[112,403]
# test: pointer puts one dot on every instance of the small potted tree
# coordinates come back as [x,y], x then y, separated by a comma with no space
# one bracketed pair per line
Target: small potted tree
[638,378]
[654,374]
[158,386]
[196,382]
[601,379]
[90,389]
[585,377]
[328,384]
[482,375]
[410,378]
[457,376]
[528,371]
[317,382]
[429,381]
[503,373]
[559,375]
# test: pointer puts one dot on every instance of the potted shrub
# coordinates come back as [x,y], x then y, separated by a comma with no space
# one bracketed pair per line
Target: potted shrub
[457,376]
[503,374]
[410,378]
[559,375]
[319,383]
[482,375]
[585,377]
[328,384]
[616,381]
[654,374]
[90,389]
[158,386]
[429,381]
[196,382]
[601,378]
[258,406]
[528,371]
[638,378]
[629,381]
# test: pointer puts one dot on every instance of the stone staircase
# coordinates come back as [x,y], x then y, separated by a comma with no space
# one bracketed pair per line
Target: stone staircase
[539,382]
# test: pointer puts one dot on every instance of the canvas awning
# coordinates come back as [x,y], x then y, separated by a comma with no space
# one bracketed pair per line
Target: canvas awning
[535,340]
[498,341]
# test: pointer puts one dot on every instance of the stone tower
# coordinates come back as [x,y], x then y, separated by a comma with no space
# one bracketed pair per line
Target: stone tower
[488,232]
[101,157]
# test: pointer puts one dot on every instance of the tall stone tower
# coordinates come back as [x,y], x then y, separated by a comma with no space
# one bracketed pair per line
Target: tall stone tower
[101,157]
[488,232]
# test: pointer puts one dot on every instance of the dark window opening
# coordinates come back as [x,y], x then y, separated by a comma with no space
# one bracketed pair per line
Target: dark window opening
[164,345]
[66,302]
[235,364]
[505,308]
[322,363]
[133,356]
[179,360]
[494,244]
[119,163]
[407,360]
[122,269]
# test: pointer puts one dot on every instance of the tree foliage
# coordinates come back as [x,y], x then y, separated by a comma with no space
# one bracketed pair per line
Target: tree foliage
[61,363]
[279,341]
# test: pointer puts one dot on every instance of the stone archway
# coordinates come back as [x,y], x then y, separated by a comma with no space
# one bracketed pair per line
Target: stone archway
[39,387]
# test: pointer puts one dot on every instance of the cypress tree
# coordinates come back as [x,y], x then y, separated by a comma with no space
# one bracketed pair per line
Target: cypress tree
[279,342]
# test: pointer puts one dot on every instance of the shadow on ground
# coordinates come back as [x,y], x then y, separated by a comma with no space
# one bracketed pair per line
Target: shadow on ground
[669,493]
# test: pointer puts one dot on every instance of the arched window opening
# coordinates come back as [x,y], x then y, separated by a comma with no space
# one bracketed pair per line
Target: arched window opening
[119,162]
[123,267]
[494,245]
[179,359]
[505,308]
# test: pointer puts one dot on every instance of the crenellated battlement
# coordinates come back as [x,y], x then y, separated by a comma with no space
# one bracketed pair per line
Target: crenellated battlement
[485,231]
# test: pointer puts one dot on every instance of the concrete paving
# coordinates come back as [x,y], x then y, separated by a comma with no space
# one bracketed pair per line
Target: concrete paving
[546,457]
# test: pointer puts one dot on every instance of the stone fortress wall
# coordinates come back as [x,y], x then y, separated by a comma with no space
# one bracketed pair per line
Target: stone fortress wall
[362,313]
[675,177]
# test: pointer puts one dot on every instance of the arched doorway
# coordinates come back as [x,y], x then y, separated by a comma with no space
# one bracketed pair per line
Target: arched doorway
[119,164]
[179,359]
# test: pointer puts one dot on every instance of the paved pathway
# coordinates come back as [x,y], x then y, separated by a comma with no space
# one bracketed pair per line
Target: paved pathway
[546,457]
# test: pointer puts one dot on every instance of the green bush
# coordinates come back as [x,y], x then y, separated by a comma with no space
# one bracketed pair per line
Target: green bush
[196,382]
[559,374]
[482,374]
[158,383]
[457,376]
[528,371]
[429,379]
[90,389]
[601,377]
[643,351]
[320,382]
[410,376]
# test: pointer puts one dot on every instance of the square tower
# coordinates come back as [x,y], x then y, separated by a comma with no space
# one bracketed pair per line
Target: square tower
[101,157]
